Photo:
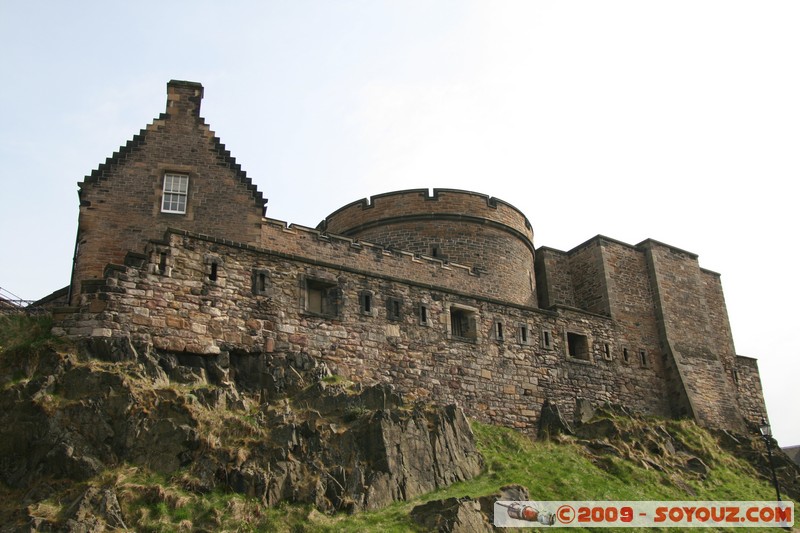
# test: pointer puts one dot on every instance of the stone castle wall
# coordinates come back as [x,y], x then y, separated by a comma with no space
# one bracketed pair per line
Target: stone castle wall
[697,353]
[177,307]
[749,394]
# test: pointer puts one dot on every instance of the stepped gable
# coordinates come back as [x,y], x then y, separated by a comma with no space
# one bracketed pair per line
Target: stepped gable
[174,173]
[105,169]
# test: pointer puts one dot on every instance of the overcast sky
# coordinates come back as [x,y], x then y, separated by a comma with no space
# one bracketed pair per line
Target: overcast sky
[677,121]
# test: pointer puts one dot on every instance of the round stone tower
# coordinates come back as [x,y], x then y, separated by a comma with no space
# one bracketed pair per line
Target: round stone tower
[487,234]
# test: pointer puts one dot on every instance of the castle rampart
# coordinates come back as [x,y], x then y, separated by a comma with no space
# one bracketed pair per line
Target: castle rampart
[496,375]
[453,225]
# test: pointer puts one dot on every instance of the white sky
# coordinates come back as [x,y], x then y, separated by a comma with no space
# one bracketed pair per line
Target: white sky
[677,121]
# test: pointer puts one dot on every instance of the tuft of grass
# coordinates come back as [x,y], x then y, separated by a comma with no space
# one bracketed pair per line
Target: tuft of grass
[335,379]
[23,340]
[22,333]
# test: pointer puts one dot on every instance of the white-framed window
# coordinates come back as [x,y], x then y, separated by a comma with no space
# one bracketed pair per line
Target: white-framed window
[176,187]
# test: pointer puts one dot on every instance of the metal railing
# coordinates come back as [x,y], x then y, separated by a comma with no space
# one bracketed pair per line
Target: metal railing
[11,304]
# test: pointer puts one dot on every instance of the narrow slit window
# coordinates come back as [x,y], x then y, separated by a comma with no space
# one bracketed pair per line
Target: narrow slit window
[365,299]
[625,356]
[498,331]
[607,351]
[176,189]
[547,339]
[423,315]
[162,263]
[643,357]
[523,334]
[213,274]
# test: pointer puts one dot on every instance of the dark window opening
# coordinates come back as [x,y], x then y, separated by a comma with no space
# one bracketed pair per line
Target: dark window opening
[736,377]
[643,357]
[462,323]
[607,351]
[162,262]
[213,274]
[578,346]
[365,299]
[625,356]
[322,298]
[436,251]
[523,334]
[260,281]
[393,309]
[547,339]
[423,315]
[498,331]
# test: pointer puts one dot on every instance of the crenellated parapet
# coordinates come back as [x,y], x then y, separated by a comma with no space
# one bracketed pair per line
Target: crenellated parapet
[463,227]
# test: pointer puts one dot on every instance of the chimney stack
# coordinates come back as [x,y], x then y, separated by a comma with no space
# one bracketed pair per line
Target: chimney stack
[183,98]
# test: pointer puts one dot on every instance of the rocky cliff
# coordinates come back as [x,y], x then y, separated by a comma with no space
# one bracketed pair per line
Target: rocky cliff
[274,428]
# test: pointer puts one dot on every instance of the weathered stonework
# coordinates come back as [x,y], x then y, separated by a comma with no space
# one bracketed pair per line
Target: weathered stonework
[440,293]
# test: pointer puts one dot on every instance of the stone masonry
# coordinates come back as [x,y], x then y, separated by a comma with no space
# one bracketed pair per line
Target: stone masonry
[440,293]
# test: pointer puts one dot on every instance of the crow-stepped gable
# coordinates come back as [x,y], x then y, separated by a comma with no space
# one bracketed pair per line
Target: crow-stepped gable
[440,293]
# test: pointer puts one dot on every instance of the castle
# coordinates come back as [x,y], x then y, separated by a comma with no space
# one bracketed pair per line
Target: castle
[440,293]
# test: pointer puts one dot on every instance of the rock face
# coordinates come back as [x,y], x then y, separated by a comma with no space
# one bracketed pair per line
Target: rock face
[265,426]
[453,515]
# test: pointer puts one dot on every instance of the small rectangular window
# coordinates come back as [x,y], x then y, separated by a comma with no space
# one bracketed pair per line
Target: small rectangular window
[322,297]
[176,189]
[607,352]
[260,281]
[524,335]
[499,334]
[423,314]
[213,274]
[547,339]
[365,302]
[643,357]
[393,308]
[463,323]
[625,356]
[162,263]
[578,346]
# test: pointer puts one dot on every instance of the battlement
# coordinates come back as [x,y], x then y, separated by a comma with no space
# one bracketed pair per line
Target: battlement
[416,204]
[468,228]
